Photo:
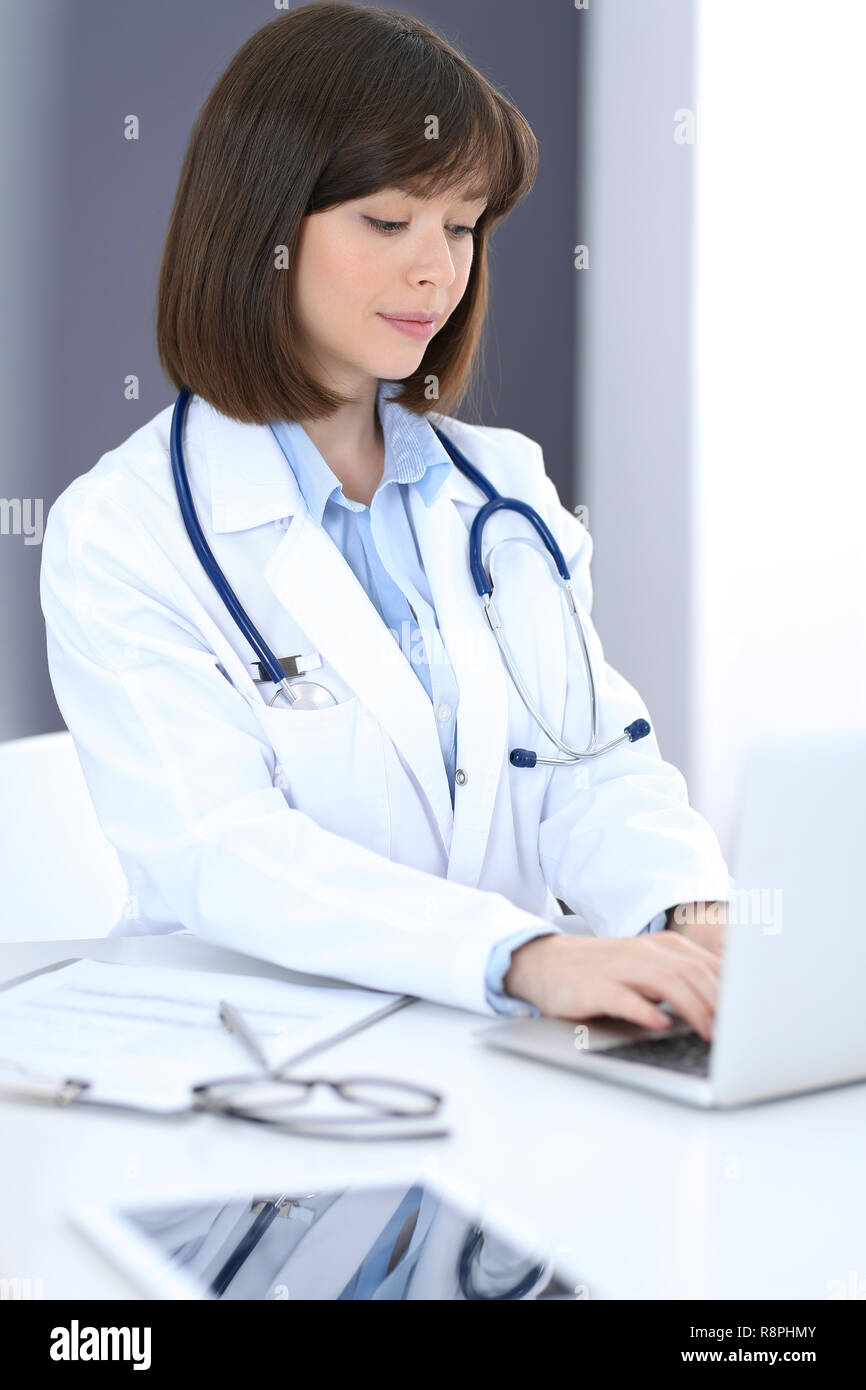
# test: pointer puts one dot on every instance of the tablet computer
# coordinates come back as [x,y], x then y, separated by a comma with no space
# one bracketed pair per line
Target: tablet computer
[411,1237]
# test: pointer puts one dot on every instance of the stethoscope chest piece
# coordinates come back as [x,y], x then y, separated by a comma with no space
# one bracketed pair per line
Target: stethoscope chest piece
[304,695]
[294,693]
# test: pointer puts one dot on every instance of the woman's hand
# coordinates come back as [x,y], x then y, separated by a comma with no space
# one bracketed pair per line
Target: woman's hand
[580,977]
[703,923]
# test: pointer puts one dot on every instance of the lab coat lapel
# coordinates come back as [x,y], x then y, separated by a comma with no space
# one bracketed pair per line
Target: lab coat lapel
[482,714]
[310,576]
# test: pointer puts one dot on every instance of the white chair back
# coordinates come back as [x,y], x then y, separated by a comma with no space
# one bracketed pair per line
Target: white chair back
[60,879]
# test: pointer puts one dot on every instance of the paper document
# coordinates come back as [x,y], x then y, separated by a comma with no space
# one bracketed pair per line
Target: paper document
[142,1035]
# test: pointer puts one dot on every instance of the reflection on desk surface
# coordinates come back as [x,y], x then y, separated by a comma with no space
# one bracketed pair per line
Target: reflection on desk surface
[391,1242]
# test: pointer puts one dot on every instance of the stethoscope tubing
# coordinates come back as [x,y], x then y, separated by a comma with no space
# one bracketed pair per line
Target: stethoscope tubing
[472,1244]
[519,757]
[206,555]
[524,757]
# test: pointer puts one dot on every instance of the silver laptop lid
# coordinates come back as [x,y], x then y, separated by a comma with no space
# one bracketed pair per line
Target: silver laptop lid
[790,1014]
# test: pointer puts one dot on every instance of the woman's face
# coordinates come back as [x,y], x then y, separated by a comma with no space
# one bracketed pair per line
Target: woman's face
[352,271]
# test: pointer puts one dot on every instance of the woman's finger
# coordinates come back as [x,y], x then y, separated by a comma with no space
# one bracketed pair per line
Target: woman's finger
[619,1000]
[685,948]
[681,993]
[659,970]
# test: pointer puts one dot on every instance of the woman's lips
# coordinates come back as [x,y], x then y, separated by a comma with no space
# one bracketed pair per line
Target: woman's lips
[410,327]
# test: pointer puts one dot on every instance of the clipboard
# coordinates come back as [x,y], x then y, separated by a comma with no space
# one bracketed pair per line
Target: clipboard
[30,1084]
[57,1091]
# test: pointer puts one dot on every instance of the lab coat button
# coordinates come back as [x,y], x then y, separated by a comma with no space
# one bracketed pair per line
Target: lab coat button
[443,712]
[461,777]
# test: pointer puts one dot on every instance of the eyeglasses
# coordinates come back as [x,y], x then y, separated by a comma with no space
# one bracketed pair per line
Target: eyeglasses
[356,1108]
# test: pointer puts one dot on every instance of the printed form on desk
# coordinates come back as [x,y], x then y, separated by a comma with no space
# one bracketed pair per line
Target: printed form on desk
[143,1035]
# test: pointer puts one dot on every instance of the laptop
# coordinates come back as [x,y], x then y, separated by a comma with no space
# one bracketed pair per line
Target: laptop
[790,1013]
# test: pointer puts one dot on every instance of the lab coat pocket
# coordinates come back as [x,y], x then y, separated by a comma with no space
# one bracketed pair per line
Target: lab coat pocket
[330,764]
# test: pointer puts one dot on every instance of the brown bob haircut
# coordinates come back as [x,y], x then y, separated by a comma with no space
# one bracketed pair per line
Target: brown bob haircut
[324,104]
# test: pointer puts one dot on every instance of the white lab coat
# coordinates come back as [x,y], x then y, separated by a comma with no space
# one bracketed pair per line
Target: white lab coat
[324,840]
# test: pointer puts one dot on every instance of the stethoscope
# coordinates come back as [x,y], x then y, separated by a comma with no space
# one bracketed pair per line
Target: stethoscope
[471,1248]
[473,1243]
[303,694]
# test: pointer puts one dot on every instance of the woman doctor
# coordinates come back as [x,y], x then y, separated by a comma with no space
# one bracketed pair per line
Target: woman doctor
[322,293]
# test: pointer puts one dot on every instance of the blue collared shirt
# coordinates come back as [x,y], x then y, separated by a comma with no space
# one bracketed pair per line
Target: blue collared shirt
[380,546]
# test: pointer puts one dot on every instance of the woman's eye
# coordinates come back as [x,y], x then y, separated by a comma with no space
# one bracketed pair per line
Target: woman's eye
[385,227]
[388,228]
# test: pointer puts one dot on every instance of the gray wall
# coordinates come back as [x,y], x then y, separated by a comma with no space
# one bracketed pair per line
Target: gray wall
[31,359]
[634,397]
[84,230]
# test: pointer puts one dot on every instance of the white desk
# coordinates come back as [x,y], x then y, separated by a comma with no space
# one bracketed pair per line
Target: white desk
[648,1198]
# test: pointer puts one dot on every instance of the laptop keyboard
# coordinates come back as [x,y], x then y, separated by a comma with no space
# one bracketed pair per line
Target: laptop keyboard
[689,1053]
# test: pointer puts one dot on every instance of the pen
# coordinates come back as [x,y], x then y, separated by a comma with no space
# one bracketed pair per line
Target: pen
[234,1023]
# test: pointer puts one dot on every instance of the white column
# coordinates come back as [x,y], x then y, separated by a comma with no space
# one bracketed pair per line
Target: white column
[780,508]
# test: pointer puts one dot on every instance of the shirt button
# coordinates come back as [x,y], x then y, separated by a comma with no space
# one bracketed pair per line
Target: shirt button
[461,777]
[443,712]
